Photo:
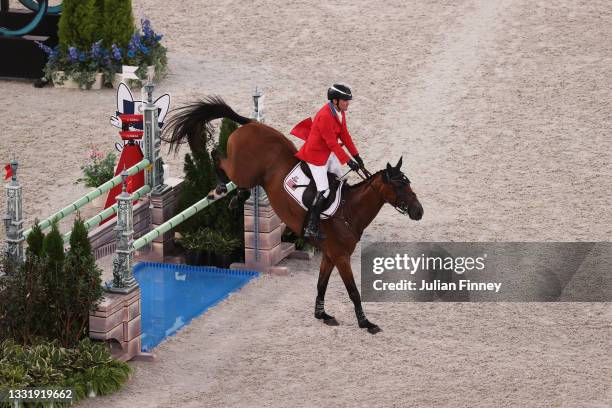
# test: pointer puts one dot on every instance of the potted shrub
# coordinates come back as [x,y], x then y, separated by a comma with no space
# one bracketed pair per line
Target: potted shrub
[145,56]
[198,245]
[189,241]
[224,245]
[78,69]
[96,39]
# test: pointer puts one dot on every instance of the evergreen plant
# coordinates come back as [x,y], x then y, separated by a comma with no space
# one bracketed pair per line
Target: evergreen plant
[118,23]
[80,24]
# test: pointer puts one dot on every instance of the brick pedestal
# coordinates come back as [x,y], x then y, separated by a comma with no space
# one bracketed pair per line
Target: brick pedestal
[117,321]
[269,250]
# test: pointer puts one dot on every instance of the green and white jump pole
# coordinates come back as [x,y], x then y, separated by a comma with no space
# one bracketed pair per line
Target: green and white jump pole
[69,209]
[97,219]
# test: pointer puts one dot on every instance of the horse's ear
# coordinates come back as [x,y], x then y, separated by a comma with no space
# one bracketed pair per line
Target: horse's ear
[399,163]
[389,168]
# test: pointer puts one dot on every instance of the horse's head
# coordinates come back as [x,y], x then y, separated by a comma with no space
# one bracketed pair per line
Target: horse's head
[396,191]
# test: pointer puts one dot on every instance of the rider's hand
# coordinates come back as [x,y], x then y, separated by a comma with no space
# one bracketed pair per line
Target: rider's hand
[353,165]
[357,158]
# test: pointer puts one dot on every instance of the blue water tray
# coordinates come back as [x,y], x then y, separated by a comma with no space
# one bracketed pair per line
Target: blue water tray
[172,295]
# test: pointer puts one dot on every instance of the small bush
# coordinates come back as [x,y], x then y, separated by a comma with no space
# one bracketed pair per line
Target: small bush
[51,294]
[88,368]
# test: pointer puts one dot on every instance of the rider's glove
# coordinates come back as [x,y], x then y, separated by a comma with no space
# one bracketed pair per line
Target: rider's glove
[353,165]
[357,158]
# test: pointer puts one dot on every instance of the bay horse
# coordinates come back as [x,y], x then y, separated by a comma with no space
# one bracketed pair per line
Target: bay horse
[257,154]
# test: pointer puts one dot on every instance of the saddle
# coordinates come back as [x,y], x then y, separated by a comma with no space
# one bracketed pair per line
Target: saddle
[300,185]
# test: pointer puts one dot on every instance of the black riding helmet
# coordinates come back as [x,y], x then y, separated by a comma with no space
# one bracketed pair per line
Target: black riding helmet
[338,91]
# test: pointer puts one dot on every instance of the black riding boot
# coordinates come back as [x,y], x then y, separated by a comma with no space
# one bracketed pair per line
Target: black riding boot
[312,228]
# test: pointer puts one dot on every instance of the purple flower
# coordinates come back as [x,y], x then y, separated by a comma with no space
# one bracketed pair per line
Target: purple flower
[96,50]
[158,37]
[131,54]
[144,49]
[116,52]
[135,42]
[146,27]
[73,54]
[44,47]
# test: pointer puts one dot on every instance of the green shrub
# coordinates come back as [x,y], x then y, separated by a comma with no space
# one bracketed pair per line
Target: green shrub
[23,301]
[118,23]
[50,295]
[80,24]
[228,127]
[35,240]
[81,289]
[200,178]
[88,368]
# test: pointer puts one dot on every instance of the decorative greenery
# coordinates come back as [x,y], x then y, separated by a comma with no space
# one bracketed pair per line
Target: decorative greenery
[81,287]
[144,50]
[228,127]
[80,23]
[217,228]
[100,168]
[35,240]
[83,52]
[212,240]
[118,22]
[88,368]
[51,294]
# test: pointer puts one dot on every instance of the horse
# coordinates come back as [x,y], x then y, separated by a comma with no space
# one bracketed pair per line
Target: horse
[259,155]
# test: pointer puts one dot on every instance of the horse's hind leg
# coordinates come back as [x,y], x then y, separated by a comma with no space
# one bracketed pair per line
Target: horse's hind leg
[240,198]
[327,267]
[222,178]
[346,273]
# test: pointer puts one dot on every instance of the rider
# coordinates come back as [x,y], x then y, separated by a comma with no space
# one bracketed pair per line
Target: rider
[323,153]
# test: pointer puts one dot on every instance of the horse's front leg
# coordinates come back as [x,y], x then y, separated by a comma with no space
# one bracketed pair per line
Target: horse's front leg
[327,267]
[346,273]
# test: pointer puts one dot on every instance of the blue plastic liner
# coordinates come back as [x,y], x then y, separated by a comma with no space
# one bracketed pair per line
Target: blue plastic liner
[172,295]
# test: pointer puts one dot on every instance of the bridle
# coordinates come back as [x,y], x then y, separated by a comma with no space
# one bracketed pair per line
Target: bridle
[396,182]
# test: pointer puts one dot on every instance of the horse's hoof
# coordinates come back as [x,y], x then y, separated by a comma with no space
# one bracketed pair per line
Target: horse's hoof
[372,328]
[331,322]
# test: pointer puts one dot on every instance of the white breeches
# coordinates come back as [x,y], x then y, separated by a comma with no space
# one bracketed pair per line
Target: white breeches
[319,173]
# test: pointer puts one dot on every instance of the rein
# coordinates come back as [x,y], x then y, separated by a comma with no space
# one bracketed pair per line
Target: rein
[367,177]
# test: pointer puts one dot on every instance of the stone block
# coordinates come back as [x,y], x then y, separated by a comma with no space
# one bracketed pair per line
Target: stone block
[133,348]
[115,333]
[266,224]
[105,324]
[266,240]
[132,329]
[133,310]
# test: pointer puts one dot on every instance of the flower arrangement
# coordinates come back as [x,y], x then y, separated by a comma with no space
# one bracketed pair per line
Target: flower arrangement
[144,50]
[99,169]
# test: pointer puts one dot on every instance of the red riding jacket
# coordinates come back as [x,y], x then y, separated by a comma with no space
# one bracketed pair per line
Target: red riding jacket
[323,138]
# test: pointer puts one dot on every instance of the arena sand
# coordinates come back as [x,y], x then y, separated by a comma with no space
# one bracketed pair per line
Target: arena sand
[501,111]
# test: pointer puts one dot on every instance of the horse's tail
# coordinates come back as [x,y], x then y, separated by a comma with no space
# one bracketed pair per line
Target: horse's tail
[191,123]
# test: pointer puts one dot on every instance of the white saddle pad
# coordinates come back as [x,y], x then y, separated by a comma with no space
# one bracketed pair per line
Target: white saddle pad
[295,184]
